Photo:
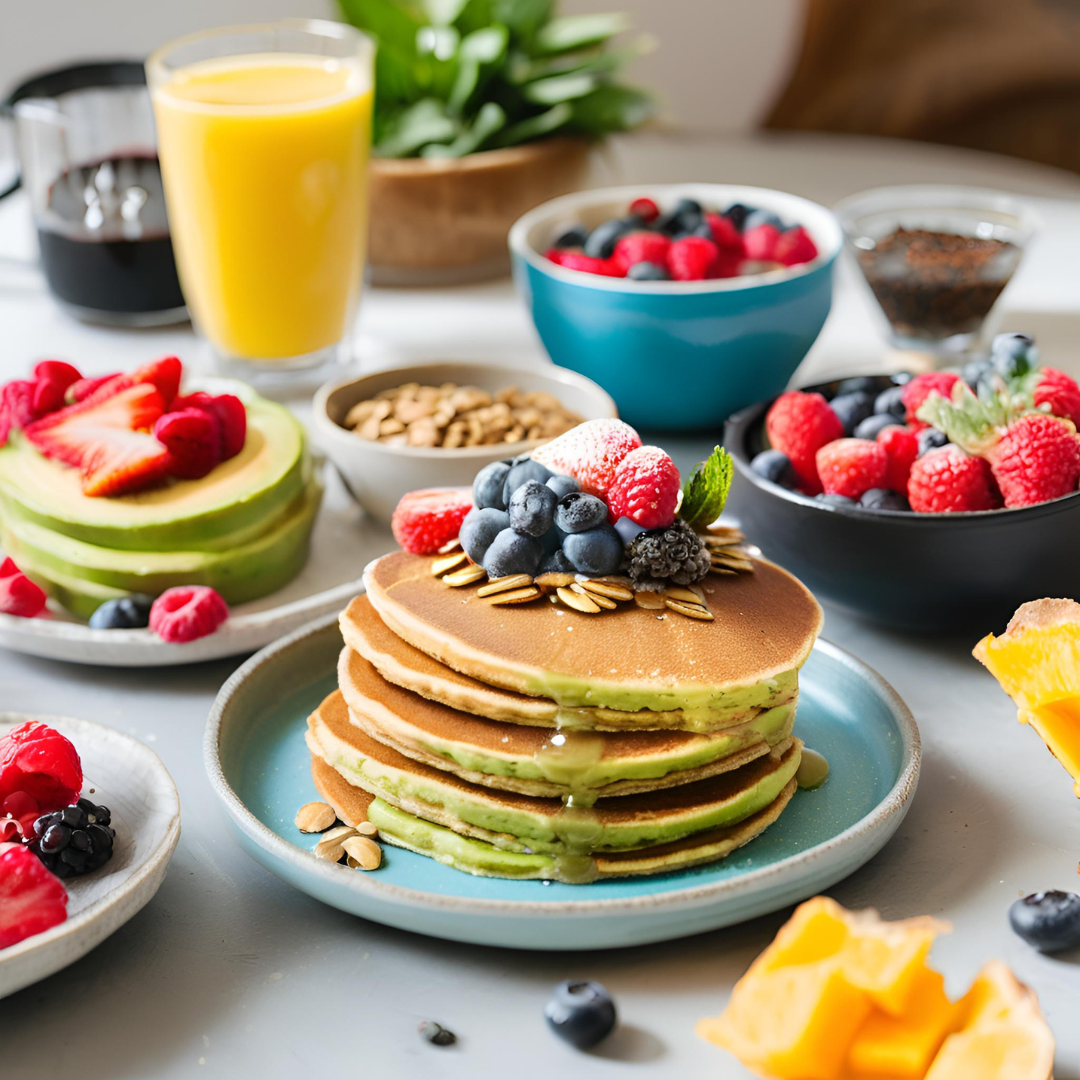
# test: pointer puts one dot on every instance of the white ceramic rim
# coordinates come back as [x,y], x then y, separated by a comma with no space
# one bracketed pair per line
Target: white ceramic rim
[894,803]
[151,861]
[516,376]
[819,222]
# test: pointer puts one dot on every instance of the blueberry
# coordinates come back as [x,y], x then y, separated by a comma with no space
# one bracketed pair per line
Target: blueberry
[975,371]
[684,217]
[512,553]
[596,551]
[853,409]
[762,217]
[775,466]
[523,468]
[1013,355]
[479,528]
[577,512]
[582,1013]
[858,384]
[891,401]
[562,485]
[127,613]
[930,439]
[575,236]
[532,508]
[628,530]
[556,563]
[738,213]
[870,427]
[1048,920]
[487,488]
[835,500]
[647,271]
[883,499]
[901,378]
[602,240]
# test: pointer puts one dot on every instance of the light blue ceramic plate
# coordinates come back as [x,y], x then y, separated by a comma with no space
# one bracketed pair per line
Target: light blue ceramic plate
[259,765]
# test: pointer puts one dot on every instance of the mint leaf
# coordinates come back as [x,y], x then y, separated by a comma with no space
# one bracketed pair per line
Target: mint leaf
[706,489]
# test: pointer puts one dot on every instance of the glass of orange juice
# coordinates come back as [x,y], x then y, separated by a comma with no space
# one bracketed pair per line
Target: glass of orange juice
[263,135]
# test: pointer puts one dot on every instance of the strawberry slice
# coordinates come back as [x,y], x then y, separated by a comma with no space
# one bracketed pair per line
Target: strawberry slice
[164,374]
[16,407]
[31,899]
[105,436]
[81,390]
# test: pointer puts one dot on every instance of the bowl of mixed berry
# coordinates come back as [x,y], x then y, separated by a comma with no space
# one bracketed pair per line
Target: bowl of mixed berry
[925,501]
[685,302]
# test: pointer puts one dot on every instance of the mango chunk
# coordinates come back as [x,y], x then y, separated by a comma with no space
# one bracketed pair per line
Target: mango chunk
[1058,725]
[903,1046]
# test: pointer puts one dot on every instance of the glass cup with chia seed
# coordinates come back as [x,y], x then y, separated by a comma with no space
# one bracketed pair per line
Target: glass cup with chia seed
[937,259]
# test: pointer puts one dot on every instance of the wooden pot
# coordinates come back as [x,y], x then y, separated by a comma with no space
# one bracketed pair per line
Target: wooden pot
[440,221]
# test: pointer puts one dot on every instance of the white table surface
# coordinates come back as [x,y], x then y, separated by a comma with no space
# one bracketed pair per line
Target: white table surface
[231,973]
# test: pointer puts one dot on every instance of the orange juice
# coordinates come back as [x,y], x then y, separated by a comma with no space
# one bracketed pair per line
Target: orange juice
[264,159]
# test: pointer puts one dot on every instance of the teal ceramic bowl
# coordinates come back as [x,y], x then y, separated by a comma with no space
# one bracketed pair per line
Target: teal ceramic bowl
[676,356]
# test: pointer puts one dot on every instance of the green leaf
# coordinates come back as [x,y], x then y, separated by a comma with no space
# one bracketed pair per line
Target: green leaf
[415,127]
[392,24]
[523,17]
[475,15]
[441,42]
[559,88]
[612,108]
[444,12]
[706,489]
[536,127]
[480,51]
[487,46]
[595,61]
[489,120]
[569,32]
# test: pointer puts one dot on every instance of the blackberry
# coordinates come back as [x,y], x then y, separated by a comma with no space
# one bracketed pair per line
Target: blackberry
[74,840]
[658,557]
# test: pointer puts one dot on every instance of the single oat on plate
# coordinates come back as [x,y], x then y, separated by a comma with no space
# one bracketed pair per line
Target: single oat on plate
[315,817]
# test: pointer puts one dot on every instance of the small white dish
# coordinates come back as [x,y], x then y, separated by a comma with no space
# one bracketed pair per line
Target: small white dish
[378,475]
[129,778]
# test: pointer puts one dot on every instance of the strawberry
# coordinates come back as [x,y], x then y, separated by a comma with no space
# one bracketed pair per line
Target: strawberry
[590,453]
[38,760]
[31,899]
[164,374]
[760,243]
[16,407]
[230,414]
[51,380]
[187,612]
[81,390]
[425,520]
[691,258]
[725,235]
[946,480]
[18,812]
[902,448]
[795,246]
[193,439]
[1059,394]
[915,392]
[645,489]
[798,425]
[578,260]
[850,467]
[1037,459]
[105,436]
[18,594]
[640,247]
[645,209]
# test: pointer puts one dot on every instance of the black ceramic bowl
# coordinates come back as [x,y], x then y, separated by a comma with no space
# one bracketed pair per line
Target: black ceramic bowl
[932,573]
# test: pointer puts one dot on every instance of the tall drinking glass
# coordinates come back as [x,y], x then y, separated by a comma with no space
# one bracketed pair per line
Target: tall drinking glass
[263,135]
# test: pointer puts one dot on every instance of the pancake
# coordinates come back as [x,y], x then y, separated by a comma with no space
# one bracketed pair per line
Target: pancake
[400,663]
[353,805]
[531,825]
[537,761]
[764,626]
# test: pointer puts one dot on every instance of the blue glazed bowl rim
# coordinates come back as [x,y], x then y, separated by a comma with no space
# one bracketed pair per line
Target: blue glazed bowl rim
[821,223]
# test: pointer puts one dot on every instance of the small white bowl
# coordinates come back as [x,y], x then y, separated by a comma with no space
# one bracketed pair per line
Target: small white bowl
[378,475]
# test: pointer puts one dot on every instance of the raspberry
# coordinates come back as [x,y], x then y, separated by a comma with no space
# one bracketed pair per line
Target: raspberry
[759,243]
[1037,459]
[187,612]
[691,257]
[902,447]
[645,489]
[727,265]
[915,392]
[40,762]
[642,247]
[947,480]
[18,812]
[18,594]
[850,467]
[726,237]
[590,453]
[31,899]
[577,260]
[795,246]
[1060,393]
[425,520]
[645,209]
[798,425]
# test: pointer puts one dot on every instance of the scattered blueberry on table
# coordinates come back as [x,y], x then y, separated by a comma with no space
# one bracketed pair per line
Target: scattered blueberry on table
[581,1013]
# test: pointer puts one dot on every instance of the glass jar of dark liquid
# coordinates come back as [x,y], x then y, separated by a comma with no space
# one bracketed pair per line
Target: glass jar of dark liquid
[86,146]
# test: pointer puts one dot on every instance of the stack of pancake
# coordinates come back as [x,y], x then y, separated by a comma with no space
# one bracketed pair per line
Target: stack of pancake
[533,741]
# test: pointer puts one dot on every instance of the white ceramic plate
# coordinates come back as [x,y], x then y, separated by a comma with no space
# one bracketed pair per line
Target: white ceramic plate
[342,542]
[131,781]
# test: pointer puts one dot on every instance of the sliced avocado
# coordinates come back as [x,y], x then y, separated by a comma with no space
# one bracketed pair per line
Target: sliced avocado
[186,515]
[82,576]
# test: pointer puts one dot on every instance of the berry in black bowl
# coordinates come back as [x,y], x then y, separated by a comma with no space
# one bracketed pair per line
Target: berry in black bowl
[1050,921]
[582,1013]
[74,840]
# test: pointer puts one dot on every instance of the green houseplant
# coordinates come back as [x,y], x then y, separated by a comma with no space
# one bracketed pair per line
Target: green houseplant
[483,109]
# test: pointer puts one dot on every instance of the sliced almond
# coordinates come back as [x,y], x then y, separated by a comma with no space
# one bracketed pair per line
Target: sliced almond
[724,534]
[606,588]
[693,611]
[723,572]
[733,562]
[364,852]
[597,598]
[681,592]
[365,828]
[554,580]
[516,596]
[504,584]
[578,601]
[650,601]
[467,575]
[447,563]
[315,817]
[331,846]
[450,545]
